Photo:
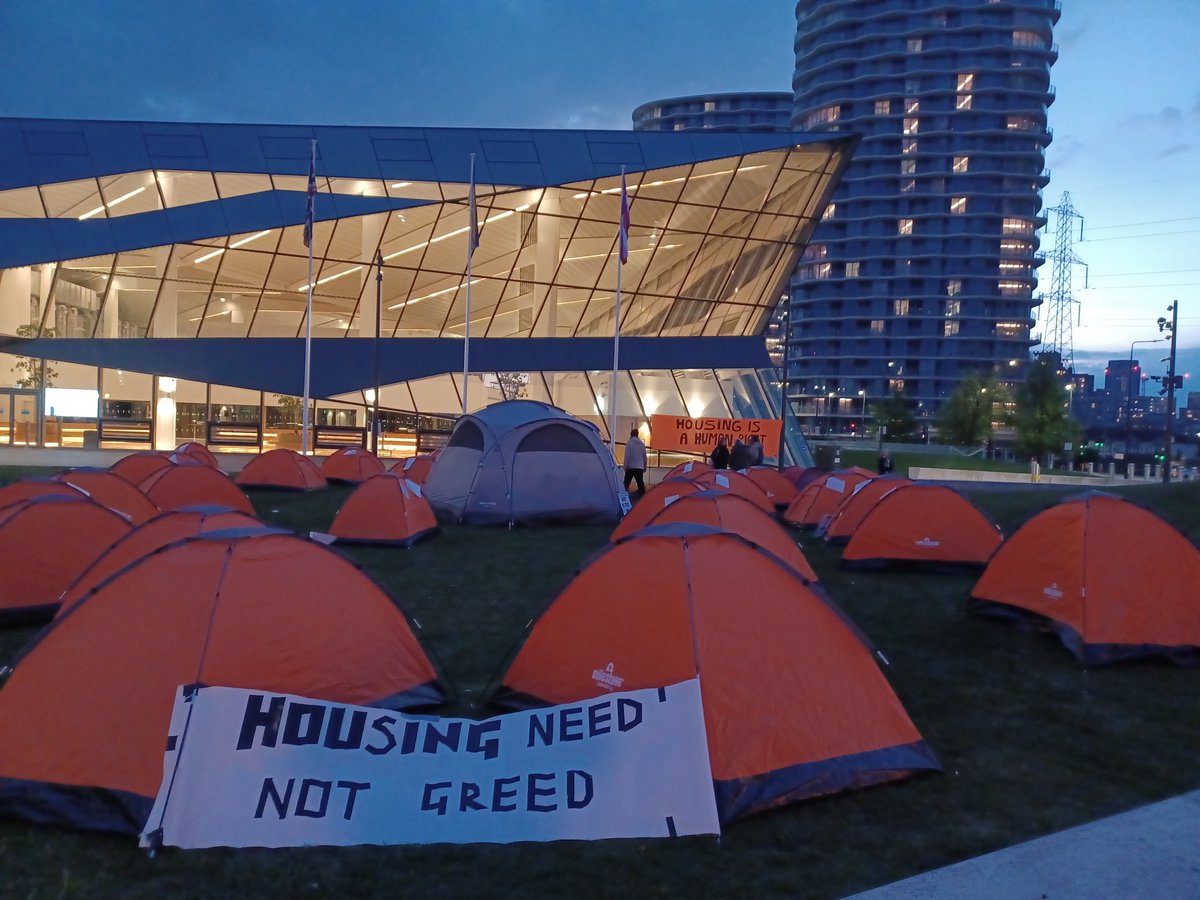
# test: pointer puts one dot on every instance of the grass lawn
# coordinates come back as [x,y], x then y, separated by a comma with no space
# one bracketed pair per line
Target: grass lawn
[1031,743]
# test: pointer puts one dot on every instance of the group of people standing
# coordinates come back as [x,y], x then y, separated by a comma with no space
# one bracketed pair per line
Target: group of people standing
[740,456]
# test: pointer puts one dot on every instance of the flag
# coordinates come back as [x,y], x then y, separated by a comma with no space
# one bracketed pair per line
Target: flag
[624,231]
[312,193]
[472,214]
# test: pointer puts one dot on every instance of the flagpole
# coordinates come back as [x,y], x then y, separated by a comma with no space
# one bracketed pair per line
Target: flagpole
[472,240]
[622,255]
[312,174]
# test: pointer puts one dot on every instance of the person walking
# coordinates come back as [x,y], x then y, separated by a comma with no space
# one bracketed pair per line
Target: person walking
[756,451]
[886,466]
[635,463]
[720,455]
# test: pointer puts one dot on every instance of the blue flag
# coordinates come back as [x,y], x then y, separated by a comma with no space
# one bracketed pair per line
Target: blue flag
[312,193]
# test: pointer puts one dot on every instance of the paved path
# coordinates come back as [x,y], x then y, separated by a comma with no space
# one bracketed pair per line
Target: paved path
[1150,852]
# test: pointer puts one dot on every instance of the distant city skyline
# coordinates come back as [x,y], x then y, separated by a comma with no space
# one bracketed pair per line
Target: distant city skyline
[1126,118]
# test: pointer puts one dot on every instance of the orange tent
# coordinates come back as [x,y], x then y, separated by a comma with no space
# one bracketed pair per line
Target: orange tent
[165,528]
[178,486]
[112,491]
[794,703]
[778,488]
[729,512]
[414,468]
[736,483]
[848,516]
[1113,580]
[352,464]
[36,486]
[281,468]
[251,608]
[795,473]
[385,509]
[689,470]
[198,451]
[923,525]
[137,467]
[822,496]
[47,541]
[658,497]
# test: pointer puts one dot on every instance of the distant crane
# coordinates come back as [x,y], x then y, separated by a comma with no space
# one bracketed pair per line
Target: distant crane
[1057,334]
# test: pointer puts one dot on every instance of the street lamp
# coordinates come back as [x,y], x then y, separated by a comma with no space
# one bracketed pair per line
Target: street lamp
[863,422]
[1172,329]
[1129,398]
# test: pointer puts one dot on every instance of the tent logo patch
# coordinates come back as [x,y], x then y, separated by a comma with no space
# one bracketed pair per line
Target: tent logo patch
[606,678]
[1053,591]
[928,543]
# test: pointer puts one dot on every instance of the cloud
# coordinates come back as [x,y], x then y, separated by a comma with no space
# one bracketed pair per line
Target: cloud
[1169,117]
[1068,38]
[593,116]
[1175,150]
[1064,151]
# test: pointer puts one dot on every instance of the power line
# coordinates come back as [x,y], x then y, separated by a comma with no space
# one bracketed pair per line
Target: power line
[1129,237]
[1146,272]
[1151,222]
[1130,287]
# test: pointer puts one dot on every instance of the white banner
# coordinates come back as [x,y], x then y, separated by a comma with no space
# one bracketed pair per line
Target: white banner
[257,769]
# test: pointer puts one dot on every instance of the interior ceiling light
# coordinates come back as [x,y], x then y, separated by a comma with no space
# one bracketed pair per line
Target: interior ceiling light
[99,209]
[632,189]
[245,240]
[448,290]
[638,250]
[329,278]
[441,237]
[401,184]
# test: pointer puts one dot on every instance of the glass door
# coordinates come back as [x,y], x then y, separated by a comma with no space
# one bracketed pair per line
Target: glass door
[23,418]
[6,419]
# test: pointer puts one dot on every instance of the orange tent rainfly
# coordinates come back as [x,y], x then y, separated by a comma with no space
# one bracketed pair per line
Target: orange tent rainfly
[777,486]
[351,464]
[1113,580]
[729,512]
[36,486]
[848,516]
[795,704]
[137,467]
[822,496]
[688,470]
[283,469]
[385,509]
[251,608]
[179,486]
[735,483]
[197,451]
[657,498]
[112,491]
[164,529]
[48,541]
[415,468]
[923,525]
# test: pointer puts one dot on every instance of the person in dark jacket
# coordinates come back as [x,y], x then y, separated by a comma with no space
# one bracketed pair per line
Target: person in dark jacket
[756,451]
[720,455]
[740,456]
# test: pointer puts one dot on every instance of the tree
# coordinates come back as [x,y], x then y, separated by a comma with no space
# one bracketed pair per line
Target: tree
[289,408]
[1043,421]
[967,418]
[515,385]
[29,369]
[895,412]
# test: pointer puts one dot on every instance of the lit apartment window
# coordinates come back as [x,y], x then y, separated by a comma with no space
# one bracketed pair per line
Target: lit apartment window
[963,101]
[830,212]
[904,226]
[1013,269]
[1011,247]
[915,45]
[1013,288]
[815,251]
[710,105]
[908,167]
[1021,123]
[908,186]
[852,269]
[883,107]
[909,146]
[877,326]
[954,286]
[912,106]
[911,125]
[1017,226]
[953,308]
[900,307]
[950,328]
[823,116]
[822,270]
[961,164]
[958,206]
[1027,39]
[679,126]
[1011,330]
[895,384]
[966,82]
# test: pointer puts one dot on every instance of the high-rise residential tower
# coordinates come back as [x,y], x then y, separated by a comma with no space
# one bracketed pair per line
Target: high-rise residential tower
[744,111]
[924,265]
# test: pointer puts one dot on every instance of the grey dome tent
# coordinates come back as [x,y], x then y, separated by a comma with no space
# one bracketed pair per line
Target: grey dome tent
[524,462]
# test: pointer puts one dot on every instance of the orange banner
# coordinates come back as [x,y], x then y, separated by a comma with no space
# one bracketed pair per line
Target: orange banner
[701,435]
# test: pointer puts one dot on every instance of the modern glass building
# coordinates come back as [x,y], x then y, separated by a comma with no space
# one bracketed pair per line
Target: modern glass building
[153,276]
[924,265]
[746,111]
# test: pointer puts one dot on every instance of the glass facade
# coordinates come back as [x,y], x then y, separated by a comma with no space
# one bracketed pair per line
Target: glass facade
[712,240]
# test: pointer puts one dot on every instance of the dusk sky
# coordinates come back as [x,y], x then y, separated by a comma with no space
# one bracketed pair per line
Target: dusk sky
[1126,120]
